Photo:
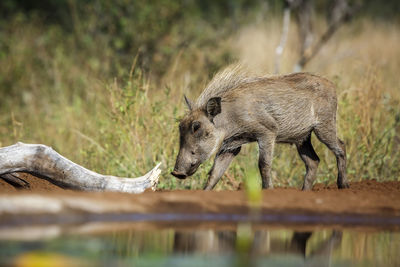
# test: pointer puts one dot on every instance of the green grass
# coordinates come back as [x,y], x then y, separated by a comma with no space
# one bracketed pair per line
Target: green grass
[121,118]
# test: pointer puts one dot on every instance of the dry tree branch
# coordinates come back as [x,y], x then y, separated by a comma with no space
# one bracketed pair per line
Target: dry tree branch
[340,13]
[42,161]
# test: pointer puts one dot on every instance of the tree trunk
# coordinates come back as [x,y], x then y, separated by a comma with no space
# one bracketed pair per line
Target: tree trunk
[282,43]
[43,162]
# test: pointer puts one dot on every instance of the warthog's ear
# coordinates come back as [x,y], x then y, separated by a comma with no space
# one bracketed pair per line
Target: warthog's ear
[213,107]
[188,103]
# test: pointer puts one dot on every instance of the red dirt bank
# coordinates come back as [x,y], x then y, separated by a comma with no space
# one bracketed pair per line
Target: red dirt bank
[366,198]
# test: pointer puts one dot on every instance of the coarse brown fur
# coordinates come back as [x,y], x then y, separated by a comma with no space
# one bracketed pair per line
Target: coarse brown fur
[236,108]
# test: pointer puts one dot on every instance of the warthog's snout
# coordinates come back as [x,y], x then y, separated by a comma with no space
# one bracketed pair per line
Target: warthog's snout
[179,175]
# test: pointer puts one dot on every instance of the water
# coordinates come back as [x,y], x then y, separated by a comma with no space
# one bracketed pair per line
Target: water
[241,244]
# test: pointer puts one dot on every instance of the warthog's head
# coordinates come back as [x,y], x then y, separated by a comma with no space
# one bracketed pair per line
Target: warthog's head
[199,138]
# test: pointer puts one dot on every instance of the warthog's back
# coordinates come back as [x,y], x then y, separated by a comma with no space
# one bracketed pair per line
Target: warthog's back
[293,103]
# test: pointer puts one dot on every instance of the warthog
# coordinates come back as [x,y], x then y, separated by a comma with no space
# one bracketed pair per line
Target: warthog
[236,109]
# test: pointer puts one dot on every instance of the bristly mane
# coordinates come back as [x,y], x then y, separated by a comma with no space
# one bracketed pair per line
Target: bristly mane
[224,81]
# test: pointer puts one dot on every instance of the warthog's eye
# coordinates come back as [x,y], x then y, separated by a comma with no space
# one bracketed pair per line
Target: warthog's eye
[193,153]
[195,126]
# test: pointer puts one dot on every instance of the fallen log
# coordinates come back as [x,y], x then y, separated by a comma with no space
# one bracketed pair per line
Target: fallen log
[44,162]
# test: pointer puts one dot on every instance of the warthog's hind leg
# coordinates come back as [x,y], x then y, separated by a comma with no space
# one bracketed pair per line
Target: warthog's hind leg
[266,151]
[311,160]
[327,135]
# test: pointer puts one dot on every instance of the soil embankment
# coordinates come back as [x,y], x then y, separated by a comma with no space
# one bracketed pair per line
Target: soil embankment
[368,202]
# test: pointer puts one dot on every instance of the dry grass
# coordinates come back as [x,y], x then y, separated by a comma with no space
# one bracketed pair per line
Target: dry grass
[124,123]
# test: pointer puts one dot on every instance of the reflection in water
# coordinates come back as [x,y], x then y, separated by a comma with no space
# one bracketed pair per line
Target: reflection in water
[205,241]
[242,246]
[261,244]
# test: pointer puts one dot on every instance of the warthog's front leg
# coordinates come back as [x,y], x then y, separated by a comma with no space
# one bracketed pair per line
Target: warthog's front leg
[221,163]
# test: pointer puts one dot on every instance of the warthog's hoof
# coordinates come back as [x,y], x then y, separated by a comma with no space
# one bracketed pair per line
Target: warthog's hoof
[179,175]
[343,186]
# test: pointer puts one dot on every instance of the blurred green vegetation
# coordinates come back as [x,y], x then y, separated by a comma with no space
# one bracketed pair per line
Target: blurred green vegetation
[102,81]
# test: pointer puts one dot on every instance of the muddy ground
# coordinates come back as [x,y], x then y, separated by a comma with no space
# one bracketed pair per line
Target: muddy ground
[369,198]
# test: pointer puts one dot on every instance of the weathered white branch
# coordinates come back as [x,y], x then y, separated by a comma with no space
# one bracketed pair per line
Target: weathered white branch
[46,163]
